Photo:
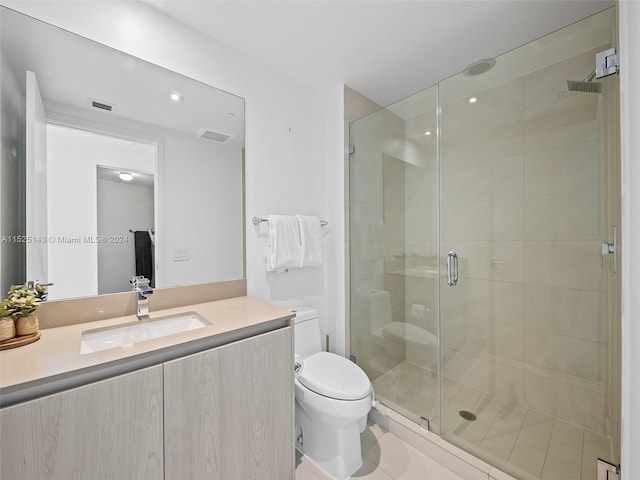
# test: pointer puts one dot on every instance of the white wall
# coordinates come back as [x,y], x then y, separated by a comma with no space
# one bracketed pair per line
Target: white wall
[201,210]
[72,160]
[36,180]
[629,19]
[336,205]
[12,270]
[285,128]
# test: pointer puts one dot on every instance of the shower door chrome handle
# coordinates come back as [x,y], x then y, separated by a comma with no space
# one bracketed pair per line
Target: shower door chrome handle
[452,279]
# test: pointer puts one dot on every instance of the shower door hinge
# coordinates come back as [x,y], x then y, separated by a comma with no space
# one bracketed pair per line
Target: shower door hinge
[424,423]
[608,471]
[612,249]
[606,63]
[351,149]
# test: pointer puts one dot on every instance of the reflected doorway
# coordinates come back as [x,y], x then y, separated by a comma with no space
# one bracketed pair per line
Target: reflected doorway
[126,224]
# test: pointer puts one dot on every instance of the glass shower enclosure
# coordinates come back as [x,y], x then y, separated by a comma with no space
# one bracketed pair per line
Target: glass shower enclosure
[482,306]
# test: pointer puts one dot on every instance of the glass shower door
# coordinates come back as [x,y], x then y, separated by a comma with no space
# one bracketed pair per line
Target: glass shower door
[527,169]
[394,255]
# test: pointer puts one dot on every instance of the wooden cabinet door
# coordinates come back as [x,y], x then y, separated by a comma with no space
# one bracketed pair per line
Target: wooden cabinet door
[229,411]
[106,430]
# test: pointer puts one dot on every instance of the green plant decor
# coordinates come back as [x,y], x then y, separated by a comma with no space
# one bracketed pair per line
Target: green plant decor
[4,309]
[22,301]
[41,292]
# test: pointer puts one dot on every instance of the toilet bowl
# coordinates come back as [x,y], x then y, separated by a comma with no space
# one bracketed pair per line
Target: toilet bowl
[333,399]
[398,341]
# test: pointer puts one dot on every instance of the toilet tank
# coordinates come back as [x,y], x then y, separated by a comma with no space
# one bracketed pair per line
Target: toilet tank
[306,332]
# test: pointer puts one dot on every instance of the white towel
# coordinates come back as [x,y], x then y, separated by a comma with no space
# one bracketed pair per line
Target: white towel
[283,246]
[311,240]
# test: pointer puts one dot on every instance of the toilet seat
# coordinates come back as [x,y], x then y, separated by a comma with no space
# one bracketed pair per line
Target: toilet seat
[409,334]
[334,376]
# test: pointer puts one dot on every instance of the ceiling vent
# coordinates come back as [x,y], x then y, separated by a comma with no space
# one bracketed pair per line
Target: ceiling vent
[101,105]
[211,135]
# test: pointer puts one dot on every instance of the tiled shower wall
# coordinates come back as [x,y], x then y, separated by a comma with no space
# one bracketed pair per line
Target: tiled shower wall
[393,202]
[522,204]
[368,239]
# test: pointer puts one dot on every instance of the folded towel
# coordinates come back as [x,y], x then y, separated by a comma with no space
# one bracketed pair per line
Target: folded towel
[283,246]
[311,241]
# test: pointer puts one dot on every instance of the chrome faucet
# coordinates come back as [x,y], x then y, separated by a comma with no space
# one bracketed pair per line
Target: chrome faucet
[143,290]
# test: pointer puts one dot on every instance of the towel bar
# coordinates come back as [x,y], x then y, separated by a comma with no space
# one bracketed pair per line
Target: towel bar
[258,220]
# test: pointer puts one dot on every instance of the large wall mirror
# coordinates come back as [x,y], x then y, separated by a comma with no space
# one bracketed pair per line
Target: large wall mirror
[113,167]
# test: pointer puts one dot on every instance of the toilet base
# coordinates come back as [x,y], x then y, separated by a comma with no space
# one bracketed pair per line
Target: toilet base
[336,451]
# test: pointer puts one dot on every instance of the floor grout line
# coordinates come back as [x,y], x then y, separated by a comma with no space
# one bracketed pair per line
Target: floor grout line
[546,453]
[582,456]
[518,435]
[515,429]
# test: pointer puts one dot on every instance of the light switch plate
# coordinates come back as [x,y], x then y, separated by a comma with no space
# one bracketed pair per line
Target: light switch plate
[181,254]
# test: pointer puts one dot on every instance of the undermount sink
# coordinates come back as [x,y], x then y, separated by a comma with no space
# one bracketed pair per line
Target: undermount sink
[140,331]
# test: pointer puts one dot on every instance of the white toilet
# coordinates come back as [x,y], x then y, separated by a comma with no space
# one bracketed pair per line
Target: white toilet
[333,398]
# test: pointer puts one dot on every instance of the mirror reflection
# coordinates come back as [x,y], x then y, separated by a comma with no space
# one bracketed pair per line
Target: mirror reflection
[113,167]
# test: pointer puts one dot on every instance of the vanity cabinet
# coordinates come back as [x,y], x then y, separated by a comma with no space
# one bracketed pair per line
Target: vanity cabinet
[225,413]
[229,411]
[110,429]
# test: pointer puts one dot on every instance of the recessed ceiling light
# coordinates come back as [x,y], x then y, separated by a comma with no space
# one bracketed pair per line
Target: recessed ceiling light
[176,97]
[473,100]
[480,67]
[125,176]
[427,133]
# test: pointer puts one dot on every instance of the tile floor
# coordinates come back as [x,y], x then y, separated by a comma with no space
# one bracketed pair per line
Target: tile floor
[385,457]
[523,442]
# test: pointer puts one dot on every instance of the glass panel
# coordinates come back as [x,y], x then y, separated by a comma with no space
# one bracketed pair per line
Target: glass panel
[393,255]
[525,332]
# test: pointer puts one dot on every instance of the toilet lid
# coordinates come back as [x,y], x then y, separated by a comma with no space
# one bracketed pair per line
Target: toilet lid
[334,376]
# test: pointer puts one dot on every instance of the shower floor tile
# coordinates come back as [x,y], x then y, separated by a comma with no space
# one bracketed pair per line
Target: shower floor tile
[527,443]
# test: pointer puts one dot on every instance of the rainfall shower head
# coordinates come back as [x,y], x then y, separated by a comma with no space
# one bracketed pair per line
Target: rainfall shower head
[587,85]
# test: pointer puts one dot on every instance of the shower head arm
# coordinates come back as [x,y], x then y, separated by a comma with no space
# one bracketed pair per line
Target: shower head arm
[590,77]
